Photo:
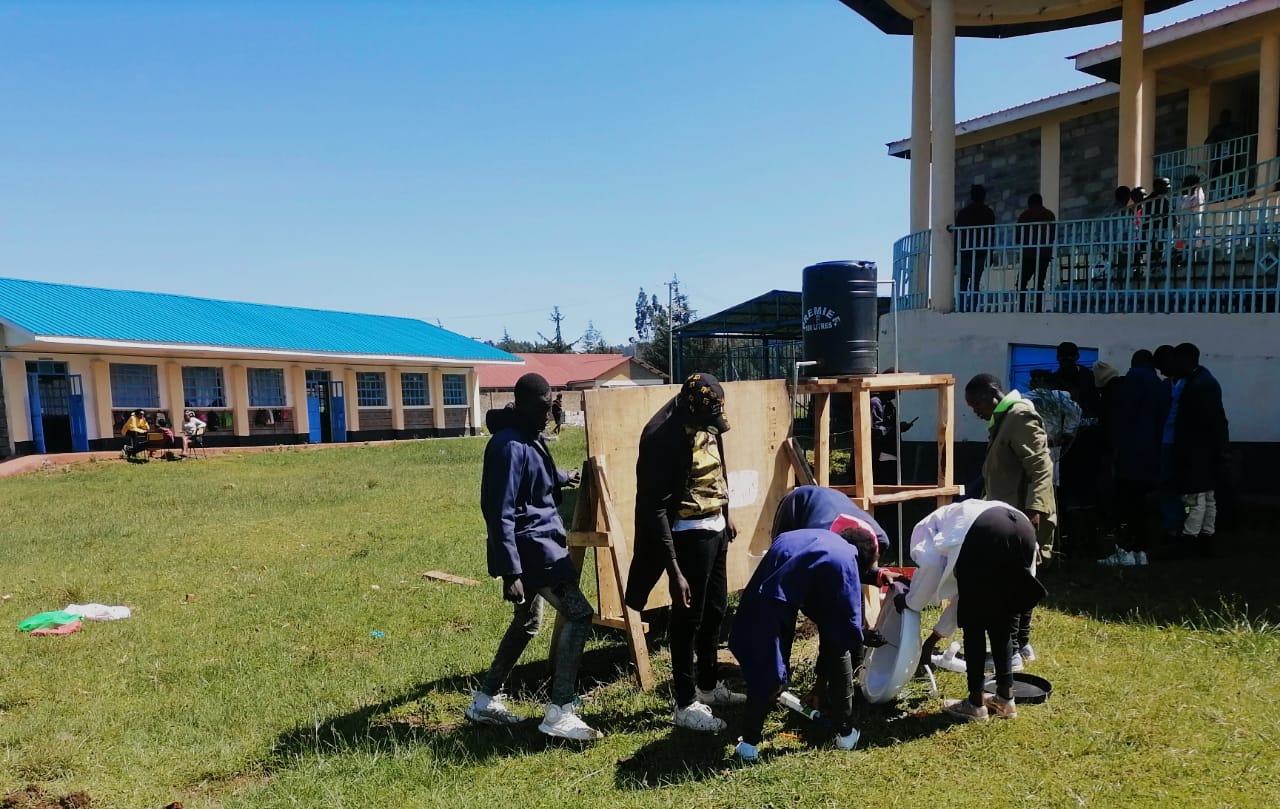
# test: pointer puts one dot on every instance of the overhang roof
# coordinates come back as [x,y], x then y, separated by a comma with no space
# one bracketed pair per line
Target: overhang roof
[47,315]
[775,313]
[1104,61]
[1000,18]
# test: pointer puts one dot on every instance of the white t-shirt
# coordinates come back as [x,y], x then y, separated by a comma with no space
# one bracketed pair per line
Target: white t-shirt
[191,425]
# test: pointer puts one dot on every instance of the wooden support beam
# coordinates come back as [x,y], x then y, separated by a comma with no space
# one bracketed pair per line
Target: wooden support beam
[631,619]
[821,403]
[861,460]
[616,623]
[800,466]
[589,539]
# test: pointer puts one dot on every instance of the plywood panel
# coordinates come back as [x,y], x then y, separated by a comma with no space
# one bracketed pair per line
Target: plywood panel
[755,457]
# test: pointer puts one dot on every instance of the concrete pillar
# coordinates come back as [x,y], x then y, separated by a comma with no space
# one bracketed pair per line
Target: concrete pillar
[1147,127]
[297,397]
[1129,148]
[473,397]
[1197,116]
[100,379]
[920,111]
[1268,99]
[353,399]
[437,399]
[1050,165]
[17,402]
[174,393]
[239,395]
[942,84]
[395,394]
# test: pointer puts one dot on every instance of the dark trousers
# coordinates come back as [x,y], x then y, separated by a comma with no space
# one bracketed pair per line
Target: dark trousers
[835,684]
[695,630]
[1131,514]
[1035,264]
[526,619]
[998,631]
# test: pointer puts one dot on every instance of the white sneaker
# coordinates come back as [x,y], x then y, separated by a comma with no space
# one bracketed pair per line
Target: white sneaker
[562,722]
[720,695]
[1028,654]
[1140,558]
[487,710]
[1121,558]
[697,716]
[849,741]
[1015,662]
[747,753]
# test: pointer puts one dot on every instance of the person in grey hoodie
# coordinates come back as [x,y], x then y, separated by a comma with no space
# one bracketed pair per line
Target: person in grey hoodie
[520,490]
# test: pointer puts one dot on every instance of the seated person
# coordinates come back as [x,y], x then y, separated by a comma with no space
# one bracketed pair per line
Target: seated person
[979,555]
[134,432]
[190,426]
[818,572]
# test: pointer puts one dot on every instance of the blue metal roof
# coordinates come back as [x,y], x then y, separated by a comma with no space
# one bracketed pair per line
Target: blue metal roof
[91,313]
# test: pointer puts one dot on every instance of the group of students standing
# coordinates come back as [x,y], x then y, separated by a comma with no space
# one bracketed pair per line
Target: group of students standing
[978,554]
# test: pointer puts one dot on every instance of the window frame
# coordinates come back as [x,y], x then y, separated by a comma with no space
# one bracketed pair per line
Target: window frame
[254,401]
[426,390]
[444,391]
[120,403]
[362,391]
[189,402]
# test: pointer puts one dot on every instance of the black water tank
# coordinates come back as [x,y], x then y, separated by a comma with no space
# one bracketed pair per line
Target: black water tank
[839,320]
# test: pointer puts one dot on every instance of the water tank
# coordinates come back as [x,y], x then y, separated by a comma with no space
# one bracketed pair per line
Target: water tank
[839,317]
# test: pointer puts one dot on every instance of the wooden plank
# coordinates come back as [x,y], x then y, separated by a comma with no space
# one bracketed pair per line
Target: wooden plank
[870,605]
[821,403]
[946,440]
[874,383]
[924,492]
[862,451]
[756,459]
[440,575]
[617,623]
[800,466]
[631,622]
[588,539]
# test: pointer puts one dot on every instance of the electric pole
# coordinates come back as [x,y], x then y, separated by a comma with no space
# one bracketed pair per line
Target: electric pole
[671,334]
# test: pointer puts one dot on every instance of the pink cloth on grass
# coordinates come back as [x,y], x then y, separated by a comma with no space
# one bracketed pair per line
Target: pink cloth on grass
[65,629]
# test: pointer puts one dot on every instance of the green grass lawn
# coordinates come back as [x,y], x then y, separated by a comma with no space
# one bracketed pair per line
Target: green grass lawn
[248,676]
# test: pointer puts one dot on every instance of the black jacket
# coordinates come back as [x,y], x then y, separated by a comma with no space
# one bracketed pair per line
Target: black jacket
[662,476]
[1200,433]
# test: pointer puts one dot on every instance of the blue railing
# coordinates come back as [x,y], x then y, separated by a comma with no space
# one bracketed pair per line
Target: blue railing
[911,271]
[1148,260]
[1226,169]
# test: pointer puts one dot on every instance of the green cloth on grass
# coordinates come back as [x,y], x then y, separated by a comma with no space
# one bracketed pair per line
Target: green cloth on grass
[45,620]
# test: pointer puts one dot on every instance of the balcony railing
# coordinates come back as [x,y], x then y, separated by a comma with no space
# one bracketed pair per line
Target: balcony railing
[1144,261]
[1227,170]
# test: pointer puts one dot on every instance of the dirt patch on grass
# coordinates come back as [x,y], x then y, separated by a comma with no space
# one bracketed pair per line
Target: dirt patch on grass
[33,797]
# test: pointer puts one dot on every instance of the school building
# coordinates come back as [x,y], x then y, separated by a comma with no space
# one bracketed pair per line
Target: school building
[74,361]
[1193,101]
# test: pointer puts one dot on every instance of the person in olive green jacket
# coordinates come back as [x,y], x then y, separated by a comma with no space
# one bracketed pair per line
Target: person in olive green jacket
[1017,470]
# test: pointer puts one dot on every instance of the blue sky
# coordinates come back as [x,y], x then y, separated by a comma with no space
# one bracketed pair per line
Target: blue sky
[470,162]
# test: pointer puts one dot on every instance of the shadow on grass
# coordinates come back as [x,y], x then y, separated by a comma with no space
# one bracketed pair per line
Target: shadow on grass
[1229,591]
[402,721]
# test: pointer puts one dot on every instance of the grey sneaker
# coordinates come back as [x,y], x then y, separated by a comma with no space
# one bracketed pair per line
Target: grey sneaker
[720,695]
[697,716]
[487,710]
[562,722]
[965,710]
[1028,654]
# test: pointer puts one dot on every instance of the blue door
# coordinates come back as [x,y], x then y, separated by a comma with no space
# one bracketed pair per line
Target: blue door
[79,424]
[338,411]
[37,412]
[313,415]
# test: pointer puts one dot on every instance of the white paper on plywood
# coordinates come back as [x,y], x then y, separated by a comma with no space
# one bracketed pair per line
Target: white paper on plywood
[744,488]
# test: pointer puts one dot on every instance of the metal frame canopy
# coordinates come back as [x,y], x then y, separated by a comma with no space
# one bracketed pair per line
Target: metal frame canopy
[775,313]
[998,19]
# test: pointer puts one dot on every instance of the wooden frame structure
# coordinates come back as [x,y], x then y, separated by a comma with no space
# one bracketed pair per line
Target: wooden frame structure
[864,492]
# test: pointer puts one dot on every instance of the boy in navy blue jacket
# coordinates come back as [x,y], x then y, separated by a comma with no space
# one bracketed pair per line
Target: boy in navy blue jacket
[520,489]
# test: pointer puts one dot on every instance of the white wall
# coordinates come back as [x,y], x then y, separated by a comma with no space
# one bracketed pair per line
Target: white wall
[1240,350]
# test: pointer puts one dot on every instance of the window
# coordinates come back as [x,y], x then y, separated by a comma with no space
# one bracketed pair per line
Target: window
[266,387]
[202,387]
[134,385]
[50,367]
[371,389]
[455,389]
[414,390]
[1023,359]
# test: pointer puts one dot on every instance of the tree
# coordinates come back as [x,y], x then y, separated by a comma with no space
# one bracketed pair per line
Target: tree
[555,345]
[592,341]
[513,346]
[654,342]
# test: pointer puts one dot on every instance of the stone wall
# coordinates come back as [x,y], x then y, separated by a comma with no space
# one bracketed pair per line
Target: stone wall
[1171,123]
[1009,167]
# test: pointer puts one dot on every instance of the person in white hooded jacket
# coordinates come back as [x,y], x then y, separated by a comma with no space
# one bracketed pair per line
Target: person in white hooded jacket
[978,555]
